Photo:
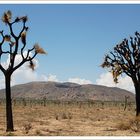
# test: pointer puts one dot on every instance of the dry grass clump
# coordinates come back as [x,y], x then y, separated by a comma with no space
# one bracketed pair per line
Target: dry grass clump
[135,124]
[27,127]
[10,134]
[124,126]
[38,133]
[63,115]
[56,116]
[131,124]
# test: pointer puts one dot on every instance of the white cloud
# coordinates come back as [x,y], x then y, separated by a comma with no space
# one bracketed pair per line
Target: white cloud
[2,82]
[18,59]
[106,79]
[79,81]
[26,75]
[52,78]
[23,74]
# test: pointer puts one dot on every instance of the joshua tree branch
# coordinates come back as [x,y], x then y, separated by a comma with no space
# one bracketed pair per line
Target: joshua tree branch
[1,32]
[22,51]
[23,28]
[25,60]
[11,30]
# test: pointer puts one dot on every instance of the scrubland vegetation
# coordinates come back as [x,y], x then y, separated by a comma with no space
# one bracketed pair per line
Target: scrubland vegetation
[55,118]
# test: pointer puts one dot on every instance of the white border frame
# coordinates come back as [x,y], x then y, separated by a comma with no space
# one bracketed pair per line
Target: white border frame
[70,137]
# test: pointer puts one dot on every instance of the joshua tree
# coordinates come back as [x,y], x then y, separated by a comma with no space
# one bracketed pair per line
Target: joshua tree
[125,58]
[126,102]
[16,43]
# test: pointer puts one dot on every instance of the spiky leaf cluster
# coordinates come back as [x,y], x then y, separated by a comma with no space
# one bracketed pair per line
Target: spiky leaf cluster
[38,49]
[6,18]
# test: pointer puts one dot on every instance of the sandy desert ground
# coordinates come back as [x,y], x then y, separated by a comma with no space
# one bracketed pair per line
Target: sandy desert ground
[72,120]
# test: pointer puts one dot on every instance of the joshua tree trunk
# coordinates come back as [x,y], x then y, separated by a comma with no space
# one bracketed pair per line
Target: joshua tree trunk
[137,90]
[9,116]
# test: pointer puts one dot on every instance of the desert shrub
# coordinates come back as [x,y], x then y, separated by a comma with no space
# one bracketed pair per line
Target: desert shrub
[44,101]
[56,116]
[69,116]
[38,133]
[124,126]
[135,124]
[24,102]
[132,124]
[64,116]
[27,127]
[10,134]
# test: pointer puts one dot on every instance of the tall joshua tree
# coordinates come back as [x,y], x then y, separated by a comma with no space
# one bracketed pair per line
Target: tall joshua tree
[125,58]
[16,46]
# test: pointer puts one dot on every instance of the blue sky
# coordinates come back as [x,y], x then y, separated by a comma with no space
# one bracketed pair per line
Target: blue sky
[76,36]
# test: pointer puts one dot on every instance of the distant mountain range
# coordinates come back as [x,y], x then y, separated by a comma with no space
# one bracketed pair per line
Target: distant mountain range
[68,91]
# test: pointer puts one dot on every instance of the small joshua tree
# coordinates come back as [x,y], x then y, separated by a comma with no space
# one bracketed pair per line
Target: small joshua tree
[125,58]
[16,46]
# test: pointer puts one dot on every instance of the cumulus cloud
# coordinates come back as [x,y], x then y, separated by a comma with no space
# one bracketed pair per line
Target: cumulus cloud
[106,79]
[18,59]
[2,82]
[23,74]
[52,78]
[26,75]
[79,81]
